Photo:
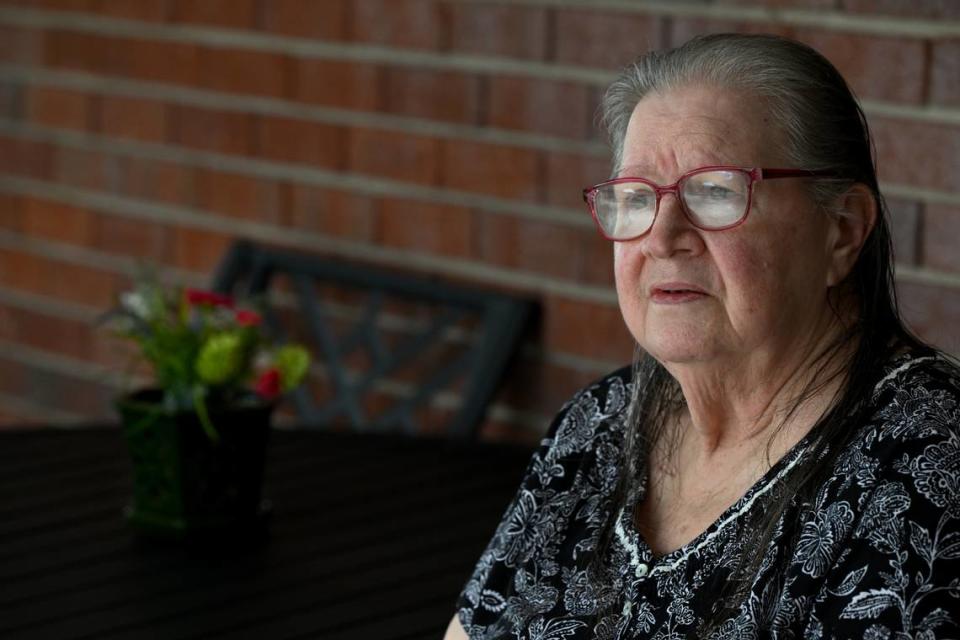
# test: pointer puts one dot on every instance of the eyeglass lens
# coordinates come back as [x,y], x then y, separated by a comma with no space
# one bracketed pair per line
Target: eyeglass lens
[713,199]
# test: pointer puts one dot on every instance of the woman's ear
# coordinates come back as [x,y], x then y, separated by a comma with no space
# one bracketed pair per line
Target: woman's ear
[853,218]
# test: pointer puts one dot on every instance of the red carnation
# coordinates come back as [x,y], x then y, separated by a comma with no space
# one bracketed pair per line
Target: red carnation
[247,318]
[268,384]
[196,296]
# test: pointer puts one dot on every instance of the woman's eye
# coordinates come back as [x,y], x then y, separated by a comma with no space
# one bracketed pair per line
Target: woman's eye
[638,200]
[715,192]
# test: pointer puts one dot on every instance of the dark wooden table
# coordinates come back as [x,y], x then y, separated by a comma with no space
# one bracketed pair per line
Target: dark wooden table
[370,537]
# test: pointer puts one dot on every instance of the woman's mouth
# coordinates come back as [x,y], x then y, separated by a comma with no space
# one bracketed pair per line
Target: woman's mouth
[676,294]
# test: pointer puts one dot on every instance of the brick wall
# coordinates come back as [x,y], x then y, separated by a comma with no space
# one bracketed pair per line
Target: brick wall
[446,136]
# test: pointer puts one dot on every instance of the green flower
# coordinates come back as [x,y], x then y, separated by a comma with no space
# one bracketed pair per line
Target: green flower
[221,358]
[292,361]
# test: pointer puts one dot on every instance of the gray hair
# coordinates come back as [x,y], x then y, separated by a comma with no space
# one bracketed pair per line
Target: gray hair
[800,92]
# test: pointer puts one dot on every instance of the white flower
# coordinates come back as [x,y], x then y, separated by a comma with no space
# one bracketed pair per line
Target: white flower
[135,303]
[819,539]
[937,475]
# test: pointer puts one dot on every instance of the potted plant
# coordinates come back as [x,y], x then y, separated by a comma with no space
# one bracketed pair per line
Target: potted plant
[197,436]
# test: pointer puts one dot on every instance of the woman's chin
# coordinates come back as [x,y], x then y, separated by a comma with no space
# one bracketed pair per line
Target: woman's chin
[679,350]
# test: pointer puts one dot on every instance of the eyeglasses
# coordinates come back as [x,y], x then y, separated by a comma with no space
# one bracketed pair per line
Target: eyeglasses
[713,198]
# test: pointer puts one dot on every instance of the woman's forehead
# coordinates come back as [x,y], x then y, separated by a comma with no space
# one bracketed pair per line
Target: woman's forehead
[682,129]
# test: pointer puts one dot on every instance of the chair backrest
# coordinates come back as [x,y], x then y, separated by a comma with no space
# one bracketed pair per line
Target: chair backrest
[391,347]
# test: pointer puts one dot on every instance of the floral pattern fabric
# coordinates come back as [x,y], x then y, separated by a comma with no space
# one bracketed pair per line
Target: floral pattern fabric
[876,556]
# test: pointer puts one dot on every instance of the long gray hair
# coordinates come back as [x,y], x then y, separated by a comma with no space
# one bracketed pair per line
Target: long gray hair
[813,113]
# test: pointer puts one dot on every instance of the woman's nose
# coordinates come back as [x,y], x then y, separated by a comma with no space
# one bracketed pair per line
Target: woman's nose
[672,231]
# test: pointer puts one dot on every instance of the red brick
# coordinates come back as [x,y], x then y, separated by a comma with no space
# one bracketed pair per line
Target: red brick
[411,24]
[439,95]
[60,108]
[117,352]
[508,31]
[536,385]
[14,377]
[136,118]
[171,62]
[301,141]
[786,4]
[21,271]
[26,158]
[899,78]
[63,5]
[325,20]
[44,276]
[945,73]
[145,10]
[543,106]
[529,245]
[58,222]
[86,169]
[11,100]
[21,46]
[912,9]
[18,420]
[394,155]
[156,180]
[141,239]
[941,237]
[569,173]
[607,40]
[11,212]
[141,59]
[233,14]
[238,196]
[597,268]
[683,29]
[51,390]
[199,250]
[85,52]
[921,154]
[247,72]
[48,333]
[426,227]
[338,83]
[590,329]
[595,130]
[224,131]
[933,312]
[509,172]
[905,229]
[335,213]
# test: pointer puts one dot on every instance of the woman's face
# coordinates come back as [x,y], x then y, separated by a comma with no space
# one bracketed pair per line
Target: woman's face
[764,281]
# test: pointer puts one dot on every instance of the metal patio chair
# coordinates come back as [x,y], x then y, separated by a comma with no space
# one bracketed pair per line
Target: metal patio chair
[389,347]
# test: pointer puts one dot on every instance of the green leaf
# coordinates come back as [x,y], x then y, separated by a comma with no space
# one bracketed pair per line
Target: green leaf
[221,358]
[869,604]
[200,404]
[293,362]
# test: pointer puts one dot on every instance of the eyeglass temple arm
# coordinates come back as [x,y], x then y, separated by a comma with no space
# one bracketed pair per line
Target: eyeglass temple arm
[770,174]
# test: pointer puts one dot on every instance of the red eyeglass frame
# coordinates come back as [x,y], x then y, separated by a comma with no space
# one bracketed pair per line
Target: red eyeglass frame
[754,174]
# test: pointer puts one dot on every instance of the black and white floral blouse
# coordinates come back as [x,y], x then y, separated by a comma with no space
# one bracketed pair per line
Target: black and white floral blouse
[877,556]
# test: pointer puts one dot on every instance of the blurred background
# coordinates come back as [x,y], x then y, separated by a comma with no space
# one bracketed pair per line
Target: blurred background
[447,137]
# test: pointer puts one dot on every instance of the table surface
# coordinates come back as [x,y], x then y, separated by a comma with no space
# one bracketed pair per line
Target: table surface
[370,537]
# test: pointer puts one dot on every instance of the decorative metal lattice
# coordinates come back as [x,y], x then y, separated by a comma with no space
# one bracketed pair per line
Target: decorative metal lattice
[456,344]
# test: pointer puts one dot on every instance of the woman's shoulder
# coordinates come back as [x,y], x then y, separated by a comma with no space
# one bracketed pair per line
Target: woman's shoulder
[602,403]
[913,432]
[917,398]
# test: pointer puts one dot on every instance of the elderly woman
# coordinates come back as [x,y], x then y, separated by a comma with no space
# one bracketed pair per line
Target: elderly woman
[783,459]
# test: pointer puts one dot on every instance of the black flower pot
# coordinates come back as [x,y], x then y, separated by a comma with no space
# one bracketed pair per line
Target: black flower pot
[187,486]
